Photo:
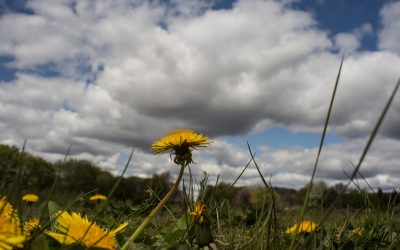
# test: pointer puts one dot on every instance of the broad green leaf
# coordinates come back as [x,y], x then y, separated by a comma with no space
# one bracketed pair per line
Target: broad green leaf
[174,231]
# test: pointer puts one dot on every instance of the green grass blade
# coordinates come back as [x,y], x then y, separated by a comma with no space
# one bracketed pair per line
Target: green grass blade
[258,169]
[244,169]
[307,198]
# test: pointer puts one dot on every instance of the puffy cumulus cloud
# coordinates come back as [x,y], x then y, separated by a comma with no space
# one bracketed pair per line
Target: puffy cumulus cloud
[31,104]
[127,72]
[151,79]
[349,42]
[390,32]
[383,181]
[361,97]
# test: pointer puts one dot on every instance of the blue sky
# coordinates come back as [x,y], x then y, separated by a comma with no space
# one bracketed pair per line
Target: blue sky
[345,16]
[279,137]
[108,77]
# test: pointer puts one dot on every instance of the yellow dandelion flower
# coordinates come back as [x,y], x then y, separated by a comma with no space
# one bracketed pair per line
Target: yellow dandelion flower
[199,212]
[201,227]
[176,140]
[98,197]
[72,227]
[31,198]
[6,209]
[10,232]
[306,226]
[357,232]
[31,226]
[181,142]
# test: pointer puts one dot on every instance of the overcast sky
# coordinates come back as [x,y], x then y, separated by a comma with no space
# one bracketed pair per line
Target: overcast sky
[108,76]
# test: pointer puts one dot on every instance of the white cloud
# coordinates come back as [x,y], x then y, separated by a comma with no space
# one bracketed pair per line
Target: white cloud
[128,72]
[349,42]
[389,35]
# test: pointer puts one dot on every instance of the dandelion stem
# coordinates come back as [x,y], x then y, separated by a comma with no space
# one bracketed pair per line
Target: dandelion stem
[155,211]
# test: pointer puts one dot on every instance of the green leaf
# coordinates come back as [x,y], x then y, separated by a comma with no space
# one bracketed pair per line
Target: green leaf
[174,231]
[48,211]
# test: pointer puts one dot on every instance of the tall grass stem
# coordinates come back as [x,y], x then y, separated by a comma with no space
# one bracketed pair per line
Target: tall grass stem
[155,211]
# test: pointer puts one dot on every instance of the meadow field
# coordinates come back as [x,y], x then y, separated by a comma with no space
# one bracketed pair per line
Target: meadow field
[259,217]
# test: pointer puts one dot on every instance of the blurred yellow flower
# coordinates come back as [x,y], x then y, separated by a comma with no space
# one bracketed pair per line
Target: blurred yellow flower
[357,232]
[31,226]
[181,141]
[72,227]
[306,226]
[10,232]
[6,209]
[98,197]
[199,212]
[30,198]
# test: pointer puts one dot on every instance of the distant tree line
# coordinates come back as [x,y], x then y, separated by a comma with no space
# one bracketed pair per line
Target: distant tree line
[256,198]
[75,177]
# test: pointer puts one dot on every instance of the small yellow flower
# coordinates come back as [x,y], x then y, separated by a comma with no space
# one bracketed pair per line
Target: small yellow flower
[182,142]
[31,226]
[7,210]
[98,197]
[357,232]
[201,228]
[306,226]
[199,212]
[31,198]
[10,233]
[72,227]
